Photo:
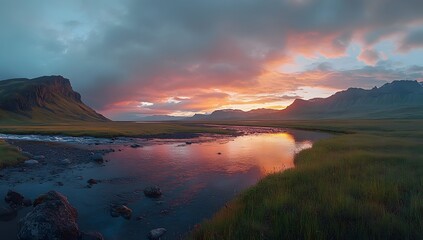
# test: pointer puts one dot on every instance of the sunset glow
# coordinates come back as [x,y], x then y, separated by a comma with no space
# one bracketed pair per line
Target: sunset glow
[151,58]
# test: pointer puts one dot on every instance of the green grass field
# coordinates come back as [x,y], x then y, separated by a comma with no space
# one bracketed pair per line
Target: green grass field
[364,183]
[367,184]
[9,155]
[108,129]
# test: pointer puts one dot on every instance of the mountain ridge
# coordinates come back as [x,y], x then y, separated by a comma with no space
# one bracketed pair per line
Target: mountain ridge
[398,99]
[46,98]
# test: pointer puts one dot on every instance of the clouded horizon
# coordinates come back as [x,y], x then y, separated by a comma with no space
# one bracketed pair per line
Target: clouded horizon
[134,58]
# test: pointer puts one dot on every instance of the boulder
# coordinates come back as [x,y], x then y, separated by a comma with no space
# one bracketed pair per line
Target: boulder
[31,162]
[52,218]
[121,210]
[153,192]
[14,199]
[39,157]
[92,181]
[97,157]
[135,145]
[66,161]
[157,233]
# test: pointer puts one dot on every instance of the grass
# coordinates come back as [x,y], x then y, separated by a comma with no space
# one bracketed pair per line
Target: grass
[367,184]
[108,129]
[9,155]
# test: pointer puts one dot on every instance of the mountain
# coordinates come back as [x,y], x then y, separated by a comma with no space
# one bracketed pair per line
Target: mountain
[48,98]
[399,99]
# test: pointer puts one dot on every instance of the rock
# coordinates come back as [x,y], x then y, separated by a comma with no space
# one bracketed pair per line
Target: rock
[7,214]
[14,199]
[52,218]
[157,233]
[60,184]
[97,158]
[164,212]
[135,146]
[188,143]
[91,236]
[121,210]
[39,157]
[92,181]
[153,192]
[31,162]
[66,161]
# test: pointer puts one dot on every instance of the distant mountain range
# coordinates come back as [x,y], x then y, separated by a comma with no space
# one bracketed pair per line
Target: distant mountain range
[399,99]
[49,98]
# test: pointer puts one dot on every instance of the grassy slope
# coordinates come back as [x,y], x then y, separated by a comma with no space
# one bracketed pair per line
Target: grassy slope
[9,155]
[105,129]
[364,185]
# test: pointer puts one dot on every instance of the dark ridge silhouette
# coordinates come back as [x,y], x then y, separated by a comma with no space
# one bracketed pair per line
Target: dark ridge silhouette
[48,98]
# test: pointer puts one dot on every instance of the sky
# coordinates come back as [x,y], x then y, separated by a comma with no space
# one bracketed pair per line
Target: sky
[134,58]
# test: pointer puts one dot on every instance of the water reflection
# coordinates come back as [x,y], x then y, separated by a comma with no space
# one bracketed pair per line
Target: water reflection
[197,179]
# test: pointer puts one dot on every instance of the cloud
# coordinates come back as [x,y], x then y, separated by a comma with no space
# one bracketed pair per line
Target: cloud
[121,53]
[412,40]
[370,56]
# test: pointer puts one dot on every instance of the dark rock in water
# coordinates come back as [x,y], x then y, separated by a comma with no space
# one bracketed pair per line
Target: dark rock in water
[91,236]
[135,146]
[39,157]
[31,162]
[52,218]
[14,199]
[7,214]
[157,233]
[121,210]
[164,212]
[92,181]
[66,161]
[60,184]
[97,158]
[188,143]
[153,192]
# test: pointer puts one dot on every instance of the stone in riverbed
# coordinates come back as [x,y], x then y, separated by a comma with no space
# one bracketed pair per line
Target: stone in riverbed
[97,158]
[31,162]
[121,210]
[66,161]
[39,157]
[92,181]
[153,192]
[157,233]
[14,199]
[135,145]
[52,218]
